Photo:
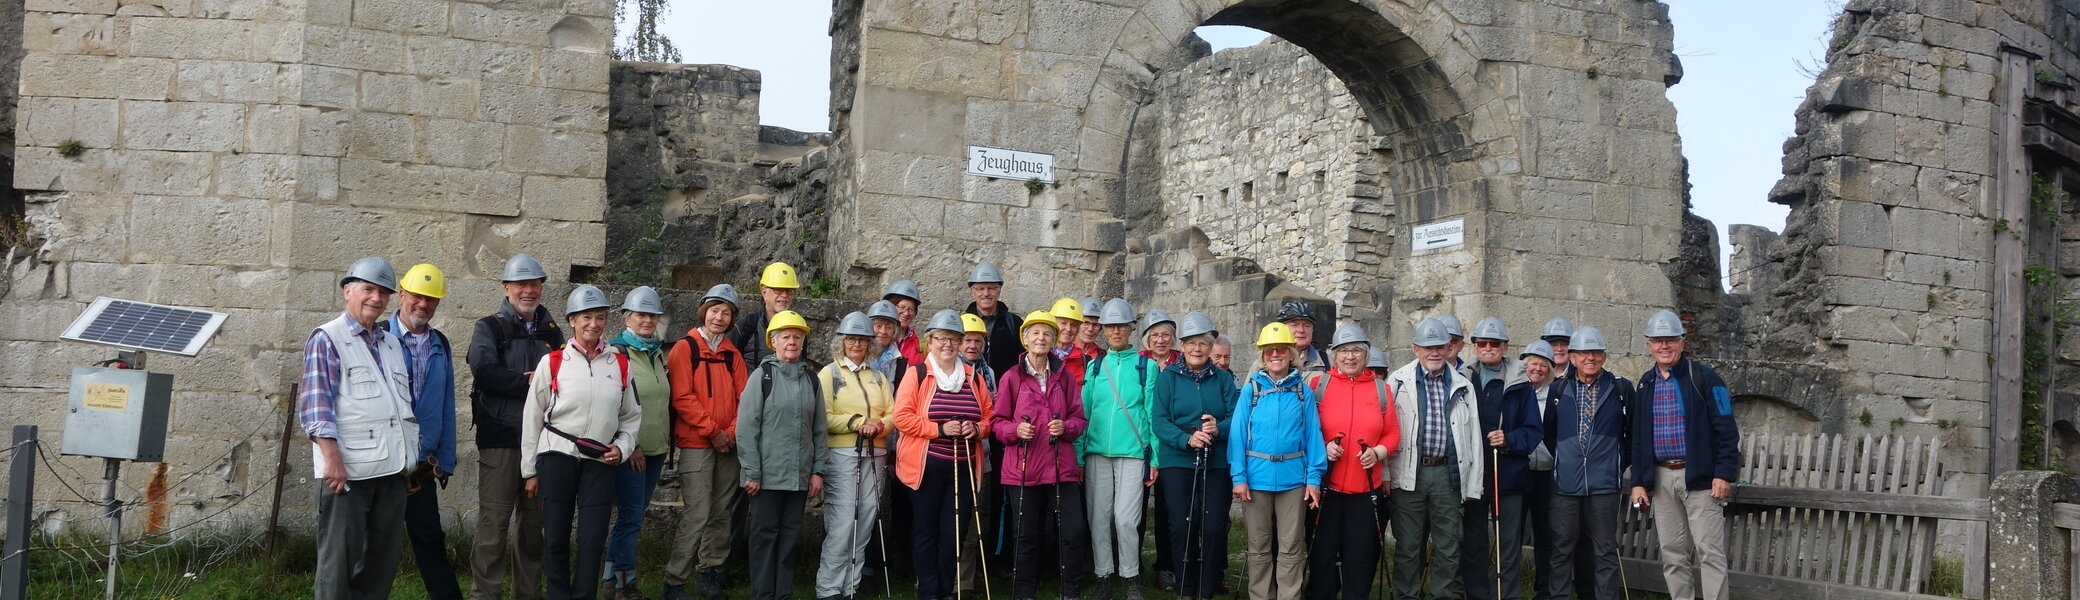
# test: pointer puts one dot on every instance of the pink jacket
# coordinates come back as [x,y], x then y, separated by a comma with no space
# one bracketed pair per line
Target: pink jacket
[1020,400]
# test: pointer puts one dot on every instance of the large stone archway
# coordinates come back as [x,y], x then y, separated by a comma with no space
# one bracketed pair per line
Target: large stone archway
[1544,125]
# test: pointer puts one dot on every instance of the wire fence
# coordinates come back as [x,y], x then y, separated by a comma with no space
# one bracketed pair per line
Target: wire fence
[68,557]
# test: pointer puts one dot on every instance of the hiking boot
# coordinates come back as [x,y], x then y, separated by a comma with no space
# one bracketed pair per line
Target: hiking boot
[628,592]
[1166,581]
[1103,588]
[676,592]
[708,584]
[1133,586]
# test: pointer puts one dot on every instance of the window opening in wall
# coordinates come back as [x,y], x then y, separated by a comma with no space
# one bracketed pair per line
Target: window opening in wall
[1224,196]
[1321,181]
[1249,191]
[1279,183]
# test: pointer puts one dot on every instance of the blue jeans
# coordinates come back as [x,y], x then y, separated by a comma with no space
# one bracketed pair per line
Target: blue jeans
[632,490]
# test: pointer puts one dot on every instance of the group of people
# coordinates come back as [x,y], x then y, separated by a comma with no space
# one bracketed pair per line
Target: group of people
[1036,441]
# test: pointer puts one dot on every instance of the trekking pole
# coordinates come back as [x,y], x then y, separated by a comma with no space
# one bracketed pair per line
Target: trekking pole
[1495,515]
[881,532]
[1054,454]
[1193,506]
[1340,581]
[1623,584]
[1018,524]
[1379,530]
[860,444]
[957,468]
[975,513]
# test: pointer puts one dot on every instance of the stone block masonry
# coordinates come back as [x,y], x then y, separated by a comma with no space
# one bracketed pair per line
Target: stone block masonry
[236,155]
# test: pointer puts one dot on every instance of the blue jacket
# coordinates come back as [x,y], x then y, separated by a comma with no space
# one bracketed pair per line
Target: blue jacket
[1175,414]
[1277,444]
[1515,412]
[1712,443]
[434,407]
[1593,465]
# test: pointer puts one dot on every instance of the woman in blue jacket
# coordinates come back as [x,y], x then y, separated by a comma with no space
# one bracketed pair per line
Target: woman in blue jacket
[1278,462]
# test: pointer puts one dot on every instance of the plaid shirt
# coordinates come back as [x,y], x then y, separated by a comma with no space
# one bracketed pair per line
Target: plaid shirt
[1435,437]
[420,347]
[1668,421]
[1585,418]
[317,399]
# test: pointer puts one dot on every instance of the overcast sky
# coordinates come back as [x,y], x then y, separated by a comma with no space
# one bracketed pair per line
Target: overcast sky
[1746,67]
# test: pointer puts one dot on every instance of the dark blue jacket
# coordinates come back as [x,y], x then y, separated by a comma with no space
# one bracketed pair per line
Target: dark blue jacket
[1594,465]
[434,407]
[1712,441]
[1515,412]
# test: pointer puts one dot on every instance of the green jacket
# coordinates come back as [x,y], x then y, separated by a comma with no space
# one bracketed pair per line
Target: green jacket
[647,373]
[1119,424]
[780,436]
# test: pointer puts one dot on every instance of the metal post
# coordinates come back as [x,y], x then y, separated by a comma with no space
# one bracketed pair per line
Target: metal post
[111,468]
[21,493]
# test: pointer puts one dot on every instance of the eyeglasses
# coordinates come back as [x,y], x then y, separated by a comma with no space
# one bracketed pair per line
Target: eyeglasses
[1488,344]
[1663,342]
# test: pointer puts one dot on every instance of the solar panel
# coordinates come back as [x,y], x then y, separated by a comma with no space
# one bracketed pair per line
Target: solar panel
[144,326]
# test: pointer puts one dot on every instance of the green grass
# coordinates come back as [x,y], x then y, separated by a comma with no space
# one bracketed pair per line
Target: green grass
[284,572]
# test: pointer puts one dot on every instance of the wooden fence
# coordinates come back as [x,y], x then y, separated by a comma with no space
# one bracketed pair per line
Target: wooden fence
[1830,516]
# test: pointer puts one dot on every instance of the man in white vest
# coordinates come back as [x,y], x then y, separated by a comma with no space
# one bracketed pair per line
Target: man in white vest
[355,404]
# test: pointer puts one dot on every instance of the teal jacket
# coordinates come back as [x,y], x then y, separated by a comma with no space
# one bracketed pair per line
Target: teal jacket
[1119,421]
[1179,402]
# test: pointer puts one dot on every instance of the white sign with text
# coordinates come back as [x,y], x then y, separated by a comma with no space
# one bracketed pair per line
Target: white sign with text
[1442,234]
[1010,164]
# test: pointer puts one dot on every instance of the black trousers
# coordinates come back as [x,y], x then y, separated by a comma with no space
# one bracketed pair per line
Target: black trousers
[1476,563]
[776,523]
[422,527]
[1044,517]
[1349,532]
[1538,503]
[584,489]
[936,507]
[1199,563]
[1166,555]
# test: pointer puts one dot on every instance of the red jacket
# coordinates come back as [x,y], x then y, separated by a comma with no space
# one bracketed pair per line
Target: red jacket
[1351,408]
[706,383]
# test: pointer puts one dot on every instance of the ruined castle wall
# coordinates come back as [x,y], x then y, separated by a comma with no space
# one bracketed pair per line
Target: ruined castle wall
[698,192]
[1266,152]
[238,154]
[1882,291]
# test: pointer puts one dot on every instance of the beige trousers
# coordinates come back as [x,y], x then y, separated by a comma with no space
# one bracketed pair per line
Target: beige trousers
[1282,514]
[708,484]
[1692,530]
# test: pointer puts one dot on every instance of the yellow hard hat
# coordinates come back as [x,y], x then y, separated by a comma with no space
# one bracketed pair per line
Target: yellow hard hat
[1275,334]
[1067,308]
[973,324]
[1042,317]
[786,319]
[779,276]
[425,280]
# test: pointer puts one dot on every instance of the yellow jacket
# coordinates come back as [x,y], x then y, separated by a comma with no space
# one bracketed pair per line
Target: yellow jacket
[852,396]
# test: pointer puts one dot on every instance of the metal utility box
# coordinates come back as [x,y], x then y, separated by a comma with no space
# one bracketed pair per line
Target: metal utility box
[117,413]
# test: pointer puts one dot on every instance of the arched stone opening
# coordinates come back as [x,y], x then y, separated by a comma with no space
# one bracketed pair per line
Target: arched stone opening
[1556,220]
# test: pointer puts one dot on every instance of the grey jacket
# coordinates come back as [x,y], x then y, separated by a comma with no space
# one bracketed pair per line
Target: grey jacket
[780,435]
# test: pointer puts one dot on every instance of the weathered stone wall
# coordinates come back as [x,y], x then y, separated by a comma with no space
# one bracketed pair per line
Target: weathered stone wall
[238,154]
[1543,124]
[1884,293]
[699,193]
[1265,151]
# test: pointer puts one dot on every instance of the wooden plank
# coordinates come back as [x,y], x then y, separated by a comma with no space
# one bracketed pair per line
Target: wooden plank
[2065,515]
[2072,564]
[1884,567]
[1751,585]
[1910,564]
[1802,533]
[1740,530]
[1857,521]
[1937,507]
[1975,561]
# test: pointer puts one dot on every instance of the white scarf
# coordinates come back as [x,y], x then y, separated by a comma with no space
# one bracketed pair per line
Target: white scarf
[948,382]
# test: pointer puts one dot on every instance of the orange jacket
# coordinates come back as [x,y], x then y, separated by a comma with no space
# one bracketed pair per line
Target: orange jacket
[706,383]
[913,403]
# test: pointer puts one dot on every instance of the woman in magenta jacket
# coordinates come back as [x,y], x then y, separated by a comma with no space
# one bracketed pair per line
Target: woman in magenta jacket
[1039,416]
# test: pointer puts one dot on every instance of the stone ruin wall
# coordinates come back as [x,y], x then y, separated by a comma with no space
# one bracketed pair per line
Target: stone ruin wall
[1266,152]
[1873,313]
[238,154]
[698,192]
